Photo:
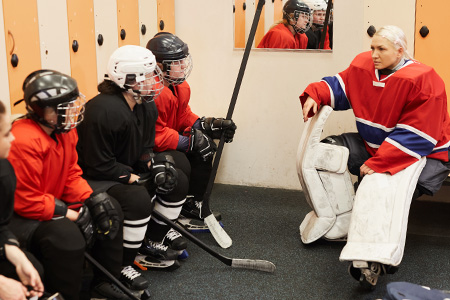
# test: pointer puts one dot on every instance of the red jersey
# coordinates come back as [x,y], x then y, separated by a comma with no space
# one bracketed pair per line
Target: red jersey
[281,37]
[174,116]
[401,117]
[45,169]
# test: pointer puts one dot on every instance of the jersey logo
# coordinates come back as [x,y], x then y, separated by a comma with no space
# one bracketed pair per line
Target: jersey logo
[377,83]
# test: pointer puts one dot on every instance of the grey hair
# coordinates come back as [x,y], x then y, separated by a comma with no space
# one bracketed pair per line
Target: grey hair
[396,36]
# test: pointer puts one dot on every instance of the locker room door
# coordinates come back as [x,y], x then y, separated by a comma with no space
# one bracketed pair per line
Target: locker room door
[432,49]
[80,15]
[22,45]
[128,22]
[166,16]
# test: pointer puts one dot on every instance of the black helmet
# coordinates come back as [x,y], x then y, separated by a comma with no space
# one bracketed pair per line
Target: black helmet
[167,46]
[296,7]
[48,88]
[173,54]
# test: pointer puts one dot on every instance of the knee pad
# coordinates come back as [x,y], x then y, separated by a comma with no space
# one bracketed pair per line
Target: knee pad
[326,183]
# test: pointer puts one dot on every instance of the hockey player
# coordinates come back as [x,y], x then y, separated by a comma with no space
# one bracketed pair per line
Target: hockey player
[178,129]
[401,148]
[13,262]
[289,33]
[314,33]
[56,211]
[116,147]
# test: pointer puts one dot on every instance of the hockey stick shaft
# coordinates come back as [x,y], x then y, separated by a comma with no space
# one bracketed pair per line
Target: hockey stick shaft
[212,178]
[254,264]
[325,25]
[110,276]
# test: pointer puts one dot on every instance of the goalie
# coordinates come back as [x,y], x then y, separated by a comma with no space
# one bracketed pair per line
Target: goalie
[401,151]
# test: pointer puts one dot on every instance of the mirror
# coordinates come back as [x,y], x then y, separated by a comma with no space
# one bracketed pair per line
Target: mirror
[300,29]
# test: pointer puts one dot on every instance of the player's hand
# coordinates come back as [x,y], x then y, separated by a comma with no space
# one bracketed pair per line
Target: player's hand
[309,105]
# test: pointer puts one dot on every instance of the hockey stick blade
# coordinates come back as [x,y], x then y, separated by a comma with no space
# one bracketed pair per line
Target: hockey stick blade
[219,234]
[252,264]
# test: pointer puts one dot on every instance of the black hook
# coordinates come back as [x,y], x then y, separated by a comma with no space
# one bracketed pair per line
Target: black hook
[371,30]
[143,29]
[14,60]
[75,45]
[244,6]
[100,39]
[424,31]
[161,25]
[123,34]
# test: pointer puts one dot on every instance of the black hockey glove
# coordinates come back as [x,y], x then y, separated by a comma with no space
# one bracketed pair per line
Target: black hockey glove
[84,222]
[214,128]
[163,173]
[105,218]
[201,143]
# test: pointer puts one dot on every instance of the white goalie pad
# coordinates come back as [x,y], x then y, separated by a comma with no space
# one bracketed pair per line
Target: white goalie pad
[326,183]
[379,220]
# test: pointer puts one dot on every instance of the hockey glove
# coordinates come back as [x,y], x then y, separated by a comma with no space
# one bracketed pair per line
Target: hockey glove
[201,143]
[214,128]
[84,222]
[164,174]
[105,218]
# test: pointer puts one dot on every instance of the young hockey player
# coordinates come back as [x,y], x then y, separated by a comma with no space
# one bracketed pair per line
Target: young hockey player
[289,33]
[314,33]
[402,144]
[16,271]
[180,130]
[115,146]
[56,212]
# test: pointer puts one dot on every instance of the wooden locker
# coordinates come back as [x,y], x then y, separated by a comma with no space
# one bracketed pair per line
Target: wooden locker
[239,24]
[166,16]
[22,42]
[128,22]
[82,45]
[259,34]
[148,16]
[106,41]
[277,10]
[432,49]
[4,84]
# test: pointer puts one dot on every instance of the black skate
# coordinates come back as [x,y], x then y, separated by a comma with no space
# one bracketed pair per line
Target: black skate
[190,216]
[174,240]
[133,279]
[157,250]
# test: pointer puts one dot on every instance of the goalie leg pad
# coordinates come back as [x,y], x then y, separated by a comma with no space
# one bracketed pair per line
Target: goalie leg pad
[326,183]
[379,219]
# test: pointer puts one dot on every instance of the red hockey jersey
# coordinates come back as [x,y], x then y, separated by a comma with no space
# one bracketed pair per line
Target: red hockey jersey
[174,116]
[45,169]
[401,117]
[281,37]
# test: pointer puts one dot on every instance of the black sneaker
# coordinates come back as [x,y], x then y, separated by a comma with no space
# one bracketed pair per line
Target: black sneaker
[192,209]
[157,250]
[133,279]
[109,291]
[175,240]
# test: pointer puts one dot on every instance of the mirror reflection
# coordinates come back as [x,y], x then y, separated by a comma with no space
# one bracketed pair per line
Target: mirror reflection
[288,24]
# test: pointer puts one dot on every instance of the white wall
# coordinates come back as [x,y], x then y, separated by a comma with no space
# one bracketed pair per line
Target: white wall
[268,111]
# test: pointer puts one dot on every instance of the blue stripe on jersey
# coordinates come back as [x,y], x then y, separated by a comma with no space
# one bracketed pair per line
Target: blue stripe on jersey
[371,134]
[412,141]
[340,98]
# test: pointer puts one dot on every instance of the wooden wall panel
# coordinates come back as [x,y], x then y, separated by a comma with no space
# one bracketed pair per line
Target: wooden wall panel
[432,49]
[54,35]
[166,13]
[128,20]
[4,86]
[148,16]
[22,38]
[260,30]
[239,24]
[105,16]
[82,29]
[277,10]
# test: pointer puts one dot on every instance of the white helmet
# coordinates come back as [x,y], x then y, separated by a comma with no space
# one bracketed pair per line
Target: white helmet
[316,4]
[134,69]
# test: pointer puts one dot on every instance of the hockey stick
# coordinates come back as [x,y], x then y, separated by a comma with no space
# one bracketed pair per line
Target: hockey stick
[217,231]
[325,25]
[110,276]
[253,264]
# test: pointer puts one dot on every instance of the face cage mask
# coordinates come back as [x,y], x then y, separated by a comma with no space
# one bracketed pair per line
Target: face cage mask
[297,15]
[69,114]
[147,89]
[176,71]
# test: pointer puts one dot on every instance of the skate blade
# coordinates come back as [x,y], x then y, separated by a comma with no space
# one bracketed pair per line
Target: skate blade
[194,225]
[145,263]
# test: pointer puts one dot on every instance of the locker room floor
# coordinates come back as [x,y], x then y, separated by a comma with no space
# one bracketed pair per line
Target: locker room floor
[263,224]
